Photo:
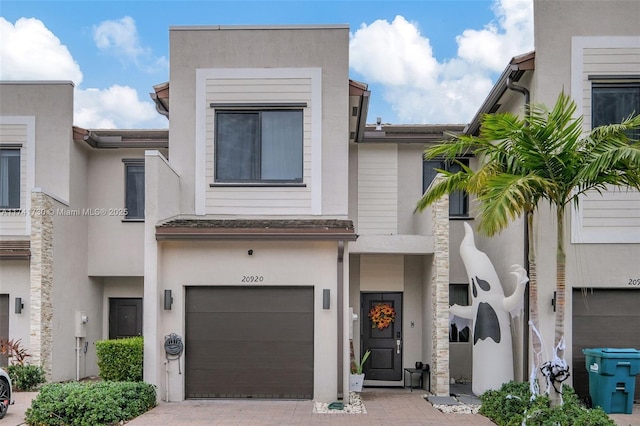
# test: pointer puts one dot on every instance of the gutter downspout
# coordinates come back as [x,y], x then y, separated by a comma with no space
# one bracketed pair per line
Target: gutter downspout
[340,309]
[525,328]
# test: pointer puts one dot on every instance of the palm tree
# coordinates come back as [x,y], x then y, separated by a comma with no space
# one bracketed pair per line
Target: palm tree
[543,156]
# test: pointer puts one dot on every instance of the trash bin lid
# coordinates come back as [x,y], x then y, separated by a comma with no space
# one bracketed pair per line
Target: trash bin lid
[613,352]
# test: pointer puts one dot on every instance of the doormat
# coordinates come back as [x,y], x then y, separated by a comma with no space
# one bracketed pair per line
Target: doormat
[355,406]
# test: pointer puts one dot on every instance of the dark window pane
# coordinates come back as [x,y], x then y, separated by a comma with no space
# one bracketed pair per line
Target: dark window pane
[429,172]
[134,198]
[282,145]
[236,151]
[253,146]
[458,204]
[611,103]
[458,295]
[10,178]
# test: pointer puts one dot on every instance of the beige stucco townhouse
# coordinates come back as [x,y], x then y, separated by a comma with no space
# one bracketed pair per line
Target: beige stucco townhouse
[232,230]
[269,213]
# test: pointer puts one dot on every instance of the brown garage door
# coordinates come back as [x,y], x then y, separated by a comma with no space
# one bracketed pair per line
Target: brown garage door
[603,319]
[249,342]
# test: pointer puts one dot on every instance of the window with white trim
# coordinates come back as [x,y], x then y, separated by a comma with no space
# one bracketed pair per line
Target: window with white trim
[134,188]
[458,200]
[10,178]
[259,146]
[613,102]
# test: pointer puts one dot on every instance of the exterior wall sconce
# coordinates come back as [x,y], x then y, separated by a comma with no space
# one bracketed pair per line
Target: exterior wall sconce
[326,298]
[168,300]
[19,305]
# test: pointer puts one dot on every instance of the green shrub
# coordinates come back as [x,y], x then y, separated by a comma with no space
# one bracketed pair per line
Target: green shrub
[25,377]
[90,404]
[512,404]
[121,359]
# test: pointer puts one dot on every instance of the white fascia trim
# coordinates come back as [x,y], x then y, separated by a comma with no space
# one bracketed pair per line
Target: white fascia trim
[204,74]
[30,122]
[578,45]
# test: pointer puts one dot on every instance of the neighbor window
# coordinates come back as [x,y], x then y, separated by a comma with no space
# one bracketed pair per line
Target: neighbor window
[134,188]
[458,203]
[10,178]
[458,295]
[613,102]
[258,146]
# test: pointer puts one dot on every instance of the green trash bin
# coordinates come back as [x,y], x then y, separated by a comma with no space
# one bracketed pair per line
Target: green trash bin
[612,379]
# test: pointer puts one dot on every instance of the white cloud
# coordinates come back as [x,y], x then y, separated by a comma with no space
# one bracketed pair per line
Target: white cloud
[115,107]
[29,51]
[419,88]
[120,39]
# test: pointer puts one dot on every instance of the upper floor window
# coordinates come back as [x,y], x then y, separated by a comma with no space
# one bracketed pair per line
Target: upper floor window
[259,146]
[613,102]
[458,200]
[10,178]
[134,188]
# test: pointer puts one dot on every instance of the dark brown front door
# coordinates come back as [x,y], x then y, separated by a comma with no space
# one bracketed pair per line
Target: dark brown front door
[385,362]
[125,317]
[249,342]
[4,324]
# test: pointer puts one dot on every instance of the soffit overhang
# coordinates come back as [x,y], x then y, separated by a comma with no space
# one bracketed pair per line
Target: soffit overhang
[115,138]
[411,133]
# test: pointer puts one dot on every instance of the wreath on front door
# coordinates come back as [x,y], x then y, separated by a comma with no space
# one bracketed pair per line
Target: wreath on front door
[382,315]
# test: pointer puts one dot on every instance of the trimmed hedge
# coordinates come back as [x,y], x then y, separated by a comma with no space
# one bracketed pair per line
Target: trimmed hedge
[25,377]
[512,406]
[90,404]
[120,359]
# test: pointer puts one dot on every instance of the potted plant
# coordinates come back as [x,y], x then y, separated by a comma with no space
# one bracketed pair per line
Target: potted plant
[356,378]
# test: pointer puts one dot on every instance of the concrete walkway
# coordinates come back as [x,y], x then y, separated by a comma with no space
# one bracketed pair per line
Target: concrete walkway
[384,406]
[390,406]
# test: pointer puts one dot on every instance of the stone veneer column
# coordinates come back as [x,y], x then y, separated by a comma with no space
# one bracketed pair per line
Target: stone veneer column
[41,308]
[440,298]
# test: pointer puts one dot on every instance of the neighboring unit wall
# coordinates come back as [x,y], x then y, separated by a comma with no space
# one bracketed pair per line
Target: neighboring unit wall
[378,189]
[565,32]
[115,245]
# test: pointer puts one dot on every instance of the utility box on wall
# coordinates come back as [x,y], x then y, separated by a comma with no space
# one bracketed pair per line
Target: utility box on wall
[81,323]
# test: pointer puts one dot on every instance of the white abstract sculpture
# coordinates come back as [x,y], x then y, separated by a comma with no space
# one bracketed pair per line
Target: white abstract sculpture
[488,315]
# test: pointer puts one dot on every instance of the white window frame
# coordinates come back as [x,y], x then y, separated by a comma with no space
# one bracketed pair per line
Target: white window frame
[580,235]
[26,187]
[205,74]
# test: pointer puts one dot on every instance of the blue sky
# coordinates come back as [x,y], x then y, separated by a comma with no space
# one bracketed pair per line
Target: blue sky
[429,61]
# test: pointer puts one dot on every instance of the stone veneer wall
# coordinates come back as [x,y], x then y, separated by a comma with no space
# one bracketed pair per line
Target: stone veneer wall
[41,308]
[440,297]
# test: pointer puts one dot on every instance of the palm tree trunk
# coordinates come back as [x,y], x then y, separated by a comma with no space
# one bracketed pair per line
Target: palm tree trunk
[533,298]
[561,261]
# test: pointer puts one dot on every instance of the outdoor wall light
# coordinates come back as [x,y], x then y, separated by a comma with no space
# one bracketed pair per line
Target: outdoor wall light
[19,305]
[326,298]
[250,252]
[168,300]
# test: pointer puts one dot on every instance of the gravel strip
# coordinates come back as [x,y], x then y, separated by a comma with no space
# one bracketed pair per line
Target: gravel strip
[355,406]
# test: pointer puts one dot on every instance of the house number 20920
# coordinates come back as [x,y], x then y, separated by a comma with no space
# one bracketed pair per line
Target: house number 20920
[252,278]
